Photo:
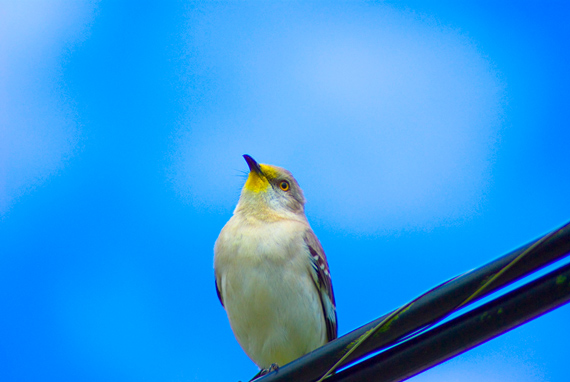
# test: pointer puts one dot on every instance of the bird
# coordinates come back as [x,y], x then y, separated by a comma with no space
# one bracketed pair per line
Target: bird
[272,275]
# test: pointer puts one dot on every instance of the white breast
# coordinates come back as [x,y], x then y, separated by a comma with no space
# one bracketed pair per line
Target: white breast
[272,303]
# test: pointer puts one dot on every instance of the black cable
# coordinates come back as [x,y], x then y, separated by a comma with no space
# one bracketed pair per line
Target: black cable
[428,309]
[464,332]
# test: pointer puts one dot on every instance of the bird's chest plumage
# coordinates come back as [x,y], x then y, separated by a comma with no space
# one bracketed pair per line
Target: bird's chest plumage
[269,295]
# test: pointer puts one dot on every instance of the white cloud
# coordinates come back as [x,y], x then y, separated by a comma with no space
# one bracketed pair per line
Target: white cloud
[388,121]
[38,131]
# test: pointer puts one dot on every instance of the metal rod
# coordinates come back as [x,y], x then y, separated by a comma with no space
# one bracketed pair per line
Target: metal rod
[429,309]
[464,332]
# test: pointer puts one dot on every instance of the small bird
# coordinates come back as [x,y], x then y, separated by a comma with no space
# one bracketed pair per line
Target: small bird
[272,275]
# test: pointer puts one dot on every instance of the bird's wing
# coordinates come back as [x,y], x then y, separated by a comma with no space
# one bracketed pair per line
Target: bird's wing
[322,278]
[219,293]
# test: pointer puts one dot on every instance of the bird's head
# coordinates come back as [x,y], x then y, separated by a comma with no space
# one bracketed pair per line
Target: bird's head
[270,191]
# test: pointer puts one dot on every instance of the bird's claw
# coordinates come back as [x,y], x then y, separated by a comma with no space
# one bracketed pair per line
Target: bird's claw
[267,370]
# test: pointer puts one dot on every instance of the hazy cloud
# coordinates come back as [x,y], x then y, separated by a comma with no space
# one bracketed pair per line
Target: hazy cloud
[387,120]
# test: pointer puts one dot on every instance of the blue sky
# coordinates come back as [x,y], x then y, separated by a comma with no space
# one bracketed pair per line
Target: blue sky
[429,138]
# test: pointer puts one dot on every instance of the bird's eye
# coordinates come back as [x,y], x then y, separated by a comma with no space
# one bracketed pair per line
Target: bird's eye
[284,185]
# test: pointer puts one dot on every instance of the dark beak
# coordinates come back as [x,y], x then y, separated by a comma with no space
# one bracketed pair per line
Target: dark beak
[253,165]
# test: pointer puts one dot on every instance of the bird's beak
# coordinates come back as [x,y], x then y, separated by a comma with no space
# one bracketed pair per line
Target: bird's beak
[253,165]
[256,180]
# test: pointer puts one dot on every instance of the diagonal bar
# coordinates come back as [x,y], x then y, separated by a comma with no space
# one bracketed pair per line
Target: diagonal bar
[464,332]
[428,309]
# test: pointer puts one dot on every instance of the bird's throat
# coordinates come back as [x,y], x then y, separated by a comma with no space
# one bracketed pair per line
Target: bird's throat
[256,183]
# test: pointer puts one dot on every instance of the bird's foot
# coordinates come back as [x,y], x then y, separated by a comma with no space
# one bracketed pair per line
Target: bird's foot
[265,371]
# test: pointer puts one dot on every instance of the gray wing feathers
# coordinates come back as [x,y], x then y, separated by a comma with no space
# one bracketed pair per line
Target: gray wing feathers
[322,279]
